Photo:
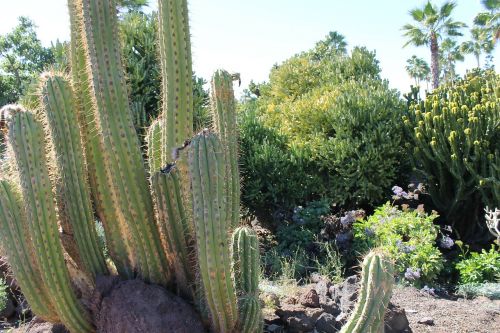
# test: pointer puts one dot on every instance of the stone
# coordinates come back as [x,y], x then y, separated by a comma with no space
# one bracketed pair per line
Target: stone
[426,321]
[9,309]
[310,299]
[298,318]
[329,306]
[346,293]
[270,299]
[326,323]
[322,288]
[274,329]
[395,320]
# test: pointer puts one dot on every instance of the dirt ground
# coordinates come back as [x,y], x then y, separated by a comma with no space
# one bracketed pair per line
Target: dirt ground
[449,314]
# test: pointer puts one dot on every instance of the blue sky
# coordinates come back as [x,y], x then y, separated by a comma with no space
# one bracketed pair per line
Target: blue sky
[250,36]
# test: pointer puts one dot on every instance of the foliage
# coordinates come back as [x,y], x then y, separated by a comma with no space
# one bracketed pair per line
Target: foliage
[408,236]
[342,117]
[489,21]
[330,263]
[22,58]
[455,136]
[418,69]
[4,297]
[449,53]
[490,290]
[276,177]
[479,43]
[480,267]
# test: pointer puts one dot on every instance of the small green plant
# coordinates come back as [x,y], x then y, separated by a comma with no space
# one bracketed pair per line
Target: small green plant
[409,237]
[330,263]
[3,295]
[480,267]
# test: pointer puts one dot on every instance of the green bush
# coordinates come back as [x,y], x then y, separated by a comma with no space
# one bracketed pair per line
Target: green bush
[408,236]
[342,117]
[455,136]
[480,267]
[3,295]
[275,177]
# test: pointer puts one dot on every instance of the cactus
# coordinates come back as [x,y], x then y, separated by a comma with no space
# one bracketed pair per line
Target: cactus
[455,138]
[58,102]
[26,138]
[224,114]
[246,268]
[376,289]
[206,166]
[195,190]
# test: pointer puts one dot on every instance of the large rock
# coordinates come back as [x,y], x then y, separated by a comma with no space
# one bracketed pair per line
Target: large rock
[326,323]
[136,307]
[346,293]
[310,299]
[395,320]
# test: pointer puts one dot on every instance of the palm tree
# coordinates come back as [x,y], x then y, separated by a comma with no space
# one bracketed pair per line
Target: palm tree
[334,43]
[418,69]
[449,54]
[432,24]
[480,43]
[490,21]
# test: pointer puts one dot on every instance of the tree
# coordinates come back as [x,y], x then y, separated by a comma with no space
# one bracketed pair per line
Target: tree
[432,24]
[480,43]
[490,21]
[449,54]
[333,43]
[22,57]
[418,69]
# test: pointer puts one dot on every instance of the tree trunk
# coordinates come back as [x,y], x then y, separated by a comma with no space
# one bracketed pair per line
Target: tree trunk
[477,59]
[434,61]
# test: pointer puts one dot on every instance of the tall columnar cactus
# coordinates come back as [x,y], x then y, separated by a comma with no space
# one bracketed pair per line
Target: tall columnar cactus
[20,252]
[125,173]
[246,268]
[376,289]
[26,138]
[59,109]
[224,114]
[153,142]
[116,232]
[206,166]
[174,226]
[455,137]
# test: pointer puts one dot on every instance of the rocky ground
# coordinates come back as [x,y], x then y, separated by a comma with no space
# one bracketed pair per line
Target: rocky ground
[324,307]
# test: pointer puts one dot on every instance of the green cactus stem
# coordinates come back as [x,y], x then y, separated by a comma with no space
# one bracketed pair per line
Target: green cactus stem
[206,166]
[21,253]
[246,269]
[377,281]
[153,141]
[224,114]
[26,138]
[125,173]
[176,69]
[174,227]
[117,242]
[58,103]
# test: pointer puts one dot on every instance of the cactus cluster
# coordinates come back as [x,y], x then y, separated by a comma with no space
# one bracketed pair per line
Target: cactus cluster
[168,223]
[455,139]
[376,290]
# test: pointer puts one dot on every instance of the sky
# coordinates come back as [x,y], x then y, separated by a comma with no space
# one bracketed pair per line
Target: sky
[248,37]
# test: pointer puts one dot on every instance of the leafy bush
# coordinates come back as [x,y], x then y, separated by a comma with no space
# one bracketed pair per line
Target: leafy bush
[3,295]
[342,117]
[490,290]
[408,236]
[276,177]
[455,135]
[480,267]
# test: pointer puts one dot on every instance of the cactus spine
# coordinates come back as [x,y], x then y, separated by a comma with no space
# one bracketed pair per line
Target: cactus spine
[117,242]
[224,114]
[246,268]
[21,253]
[26,137]
[124,166]
[153,142]
[57,99]
[206,166]
[376,289]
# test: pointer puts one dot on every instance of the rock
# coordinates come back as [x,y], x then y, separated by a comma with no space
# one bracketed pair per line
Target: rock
[136,307]
[426,321]
[327,304]
[271,318]
[274,329]
[269,299]
[298,318]
[341,319]
[322,288]
[310,299]
[346,293]
[9,309]
[395,320]
[326,323]
[316,277]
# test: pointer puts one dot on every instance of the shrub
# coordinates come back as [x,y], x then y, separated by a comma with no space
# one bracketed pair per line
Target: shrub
[3,295]
[456,137]
[480,267]
[408,236]
[275,176]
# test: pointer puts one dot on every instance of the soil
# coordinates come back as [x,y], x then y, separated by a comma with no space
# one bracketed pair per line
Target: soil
[448,313]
